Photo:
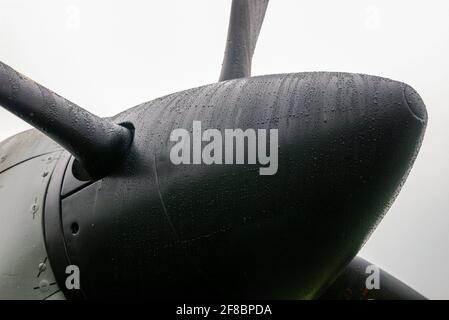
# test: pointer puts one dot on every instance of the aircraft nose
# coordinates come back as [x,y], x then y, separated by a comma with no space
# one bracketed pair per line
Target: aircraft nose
[353,157]
[346,143]
[415,103]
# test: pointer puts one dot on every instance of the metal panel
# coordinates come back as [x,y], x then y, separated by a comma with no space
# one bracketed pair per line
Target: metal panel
[23,146]
[25,272]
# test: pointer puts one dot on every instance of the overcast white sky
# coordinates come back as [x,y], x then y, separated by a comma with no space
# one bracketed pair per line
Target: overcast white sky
[108,56]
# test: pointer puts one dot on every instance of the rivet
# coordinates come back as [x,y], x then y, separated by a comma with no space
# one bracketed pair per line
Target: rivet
[42,267]
[44,285]
[34,207]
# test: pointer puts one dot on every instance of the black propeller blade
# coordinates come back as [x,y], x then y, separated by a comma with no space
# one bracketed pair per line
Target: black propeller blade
[98,144]
[244,27]
[351,285]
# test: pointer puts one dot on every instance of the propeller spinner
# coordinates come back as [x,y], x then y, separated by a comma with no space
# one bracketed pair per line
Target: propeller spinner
[138,225]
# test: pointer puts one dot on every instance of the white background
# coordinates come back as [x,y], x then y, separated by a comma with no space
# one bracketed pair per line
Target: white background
[108,56]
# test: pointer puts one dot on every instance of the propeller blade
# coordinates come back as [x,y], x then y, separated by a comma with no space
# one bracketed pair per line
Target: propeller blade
[98,144]
[351,285]
[244,27]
